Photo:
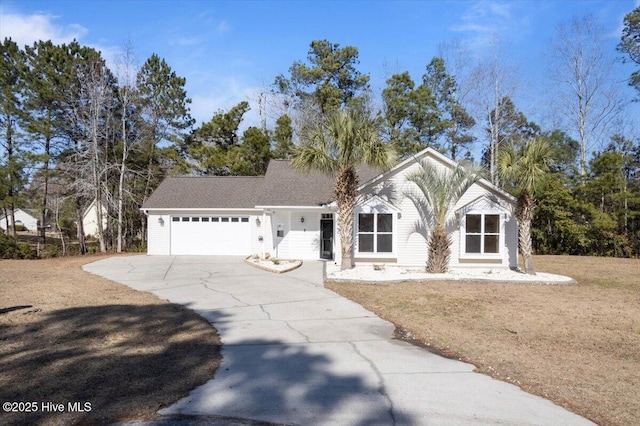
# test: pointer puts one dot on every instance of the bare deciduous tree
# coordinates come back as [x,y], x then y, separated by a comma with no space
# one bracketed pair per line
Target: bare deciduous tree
[494,79]
[126,71]
[587,96]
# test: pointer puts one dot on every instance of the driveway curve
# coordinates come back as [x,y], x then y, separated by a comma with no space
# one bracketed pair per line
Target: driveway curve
[297,353]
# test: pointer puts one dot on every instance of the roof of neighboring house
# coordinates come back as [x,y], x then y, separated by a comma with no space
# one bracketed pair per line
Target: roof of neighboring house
[282,185]
[90,207]
[29,212]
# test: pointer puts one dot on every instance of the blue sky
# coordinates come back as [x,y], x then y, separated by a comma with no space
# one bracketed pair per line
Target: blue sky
[228,50]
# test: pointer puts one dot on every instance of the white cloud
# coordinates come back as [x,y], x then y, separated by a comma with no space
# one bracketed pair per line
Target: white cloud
[223,27]
[483,21]
[27,29]
[185,41]
[226,93]
[222,95]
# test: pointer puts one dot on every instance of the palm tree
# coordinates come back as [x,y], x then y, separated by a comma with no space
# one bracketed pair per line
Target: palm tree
[439,189]
[523,166]
[337,145]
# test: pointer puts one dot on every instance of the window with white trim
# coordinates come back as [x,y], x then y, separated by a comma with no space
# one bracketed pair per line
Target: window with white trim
[375,232]
[482,233]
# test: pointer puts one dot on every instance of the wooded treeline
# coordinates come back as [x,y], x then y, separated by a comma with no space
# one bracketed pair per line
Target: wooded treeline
[76,132]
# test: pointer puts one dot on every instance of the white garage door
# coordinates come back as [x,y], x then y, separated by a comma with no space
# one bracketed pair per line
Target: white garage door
[211,235]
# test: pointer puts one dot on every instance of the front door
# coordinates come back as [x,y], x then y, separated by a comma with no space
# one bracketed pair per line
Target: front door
[326,238]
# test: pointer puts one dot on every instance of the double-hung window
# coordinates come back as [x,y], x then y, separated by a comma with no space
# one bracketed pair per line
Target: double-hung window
[482,233]
[375,232]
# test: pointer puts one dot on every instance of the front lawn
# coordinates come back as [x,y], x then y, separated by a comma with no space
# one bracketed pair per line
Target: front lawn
[69,337]
[578,345]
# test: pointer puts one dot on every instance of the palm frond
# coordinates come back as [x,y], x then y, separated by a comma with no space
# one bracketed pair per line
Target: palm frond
[440,188]
[315,153]
[524,166]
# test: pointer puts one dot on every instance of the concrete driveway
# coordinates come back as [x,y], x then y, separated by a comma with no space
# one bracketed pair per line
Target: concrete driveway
[297,353]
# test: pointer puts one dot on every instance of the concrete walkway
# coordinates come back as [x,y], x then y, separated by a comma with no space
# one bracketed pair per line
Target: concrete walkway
[297,353]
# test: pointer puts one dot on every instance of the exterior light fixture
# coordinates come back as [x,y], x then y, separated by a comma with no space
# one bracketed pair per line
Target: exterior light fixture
[302,220]
[161,221]
[258,222]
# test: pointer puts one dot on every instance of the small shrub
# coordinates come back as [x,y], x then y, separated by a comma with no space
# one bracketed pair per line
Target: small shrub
[275,261]
[50,250]
[20,227]
[136,248]
[10,248]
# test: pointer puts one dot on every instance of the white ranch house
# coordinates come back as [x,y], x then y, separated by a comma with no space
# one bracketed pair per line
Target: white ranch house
[22,217]
[290,215]
[90,219]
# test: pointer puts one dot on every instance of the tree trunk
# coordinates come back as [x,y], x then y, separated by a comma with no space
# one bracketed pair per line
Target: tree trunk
[57,217]
[121,180]
[6,218]
[120,206]
[82,244]
[439,250]
[524,214]
[95,167]
[45,189]
[14,233]
[12,176]
[345,192]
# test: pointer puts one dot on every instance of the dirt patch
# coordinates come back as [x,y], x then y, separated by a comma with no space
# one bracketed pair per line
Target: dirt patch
[577,345]
[68,337]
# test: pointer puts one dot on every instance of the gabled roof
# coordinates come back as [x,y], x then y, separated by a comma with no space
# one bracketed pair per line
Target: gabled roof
[483,202]
[432,153]
[28,212]
[285,186]
[223,192]
[282,185]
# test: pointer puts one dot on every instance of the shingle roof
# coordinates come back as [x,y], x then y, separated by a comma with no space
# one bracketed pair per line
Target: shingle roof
[284,186]
[223,192]
[281,186]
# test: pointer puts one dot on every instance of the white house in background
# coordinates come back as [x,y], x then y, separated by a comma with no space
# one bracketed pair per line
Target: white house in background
[90,219]
[290,215]
[22,217]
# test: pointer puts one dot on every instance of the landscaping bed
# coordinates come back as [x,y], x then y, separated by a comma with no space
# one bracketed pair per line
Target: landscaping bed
[69,337]
[577,345]
[278,266]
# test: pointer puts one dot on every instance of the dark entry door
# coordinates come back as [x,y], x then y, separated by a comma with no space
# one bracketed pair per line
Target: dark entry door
[326,239]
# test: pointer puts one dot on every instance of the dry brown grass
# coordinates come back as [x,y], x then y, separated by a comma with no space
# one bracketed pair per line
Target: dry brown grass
[69,336]
[578,345]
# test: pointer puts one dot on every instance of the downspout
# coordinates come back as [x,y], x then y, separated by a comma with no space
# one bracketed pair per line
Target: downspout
[145,212]
[264,234]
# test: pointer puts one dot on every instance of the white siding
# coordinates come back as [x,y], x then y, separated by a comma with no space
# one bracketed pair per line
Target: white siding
[22,217]
[280,245]
[261,236]
[301,240]
[411,239]
[158,236]
[304,241]
[90,219]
